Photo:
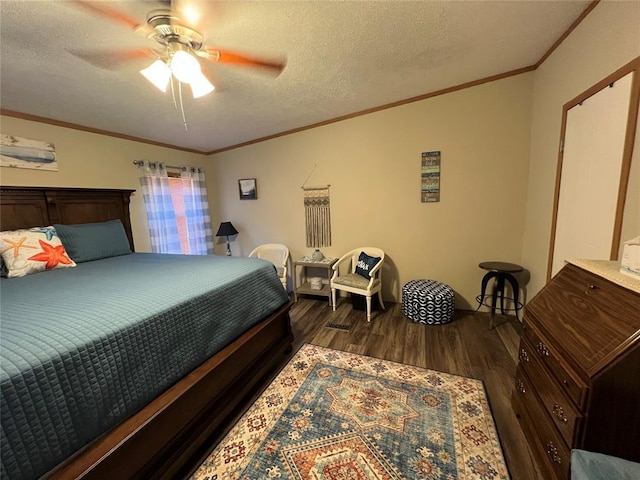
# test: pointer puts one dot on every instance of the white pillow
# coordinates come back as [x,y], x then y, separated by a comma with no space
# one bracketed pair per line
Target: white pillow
[32,251]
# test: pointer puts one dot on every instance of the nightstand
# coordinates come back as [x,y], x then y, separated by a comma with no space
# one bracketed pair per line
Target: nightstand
[323,268]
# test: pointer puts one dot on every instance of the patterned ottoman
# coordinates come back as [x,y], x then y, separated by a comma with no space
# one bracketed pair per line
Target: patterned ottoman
[428,301]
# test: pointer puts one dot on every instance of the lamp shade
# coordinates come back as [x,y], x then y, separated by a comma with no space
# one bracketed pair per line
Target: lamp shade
[184,66]
[159,74]
[200,86]
[226,229]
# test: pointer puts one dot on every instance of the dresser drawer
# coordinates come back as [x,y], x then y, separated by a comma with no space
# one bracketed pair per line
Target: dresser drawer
[543,438]
[559,407]
[570,382]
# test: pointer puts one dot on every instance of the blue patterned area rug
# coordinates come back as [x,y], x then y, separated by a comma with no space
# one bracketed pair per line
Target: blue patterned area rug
[332,415]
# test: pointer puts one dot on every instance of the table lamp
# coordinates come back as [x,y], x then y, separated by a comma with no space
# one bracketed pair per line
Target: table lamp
[226,229]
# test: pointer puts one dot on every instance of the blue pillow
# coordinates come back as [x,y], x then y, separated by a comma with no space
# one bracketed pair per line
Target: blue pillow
[365,264]
[91,241]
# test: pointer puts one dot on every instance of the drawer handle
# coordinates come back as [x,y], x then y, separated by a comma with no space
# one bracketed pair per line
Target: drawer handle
[590,288]
[542,349]
[523,355]
[552,451]
[558,411]
[521,388]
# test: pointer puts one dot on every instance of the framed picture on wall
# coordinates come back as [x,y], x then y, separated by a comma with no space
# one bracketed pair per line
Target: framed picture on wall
[248,189]
[430,176]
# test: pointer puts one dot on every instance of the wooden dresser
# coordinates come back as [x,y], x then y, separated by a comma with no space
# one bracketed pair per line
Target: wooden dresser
[578,379]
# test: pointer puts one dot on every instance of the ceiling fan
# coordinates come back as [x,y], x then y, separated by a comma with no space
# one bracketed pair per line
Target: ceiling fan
[180,49]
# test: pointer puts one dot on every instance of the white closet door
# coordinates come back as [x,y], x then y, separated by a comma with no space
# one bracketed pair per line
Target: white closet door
[591,167]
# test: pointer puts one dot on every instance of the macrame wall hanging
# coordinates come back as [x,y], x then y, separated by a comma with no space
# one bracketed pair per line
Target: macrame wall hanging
[317,219]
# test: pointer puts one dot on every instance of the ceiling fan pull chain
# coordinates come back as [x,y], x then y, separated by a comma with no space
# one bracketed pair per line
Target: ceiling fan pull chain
[173,93]
[184,120]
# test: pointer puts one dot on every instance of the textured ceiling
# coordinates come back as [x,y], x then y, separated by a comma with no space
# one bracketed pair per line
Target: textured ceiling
[342,57]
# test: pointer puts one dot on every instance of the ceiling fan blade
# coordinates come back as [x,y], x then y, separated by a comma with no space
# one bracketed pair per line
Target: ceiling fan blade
[114,59]
[115,15]
[234,58]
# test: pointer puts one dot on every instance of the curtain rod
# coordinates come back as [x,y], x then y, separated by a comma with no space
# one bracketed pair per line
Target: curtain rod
[138,163]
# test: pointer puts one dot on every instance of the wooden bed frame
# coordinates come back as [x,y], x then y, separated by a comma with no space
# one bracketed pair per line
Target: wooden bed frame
[172,434]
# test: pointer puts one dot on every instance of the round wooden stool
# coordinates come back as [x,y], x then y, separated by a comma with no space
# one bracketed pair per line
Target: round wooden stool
[500,271]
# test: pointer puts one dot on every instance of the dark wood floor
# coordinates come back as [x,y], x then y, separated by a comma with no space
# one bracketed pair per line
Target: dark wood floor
[463,347]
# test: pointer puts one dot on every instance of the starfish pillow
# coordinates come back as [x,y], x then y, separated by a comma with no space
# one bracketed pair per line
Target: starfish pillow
[32,251]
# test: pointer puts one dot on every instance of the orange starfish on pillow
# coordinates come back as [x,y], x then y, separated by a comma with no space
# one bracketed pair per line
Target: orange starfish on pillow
[52,255]
[16,246]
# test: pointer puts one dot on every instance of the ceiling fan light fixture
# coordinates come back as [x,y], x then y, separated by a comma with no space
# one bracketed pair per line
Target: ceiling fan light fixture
[200,86]
[184,66]
[159,74]
[190,14]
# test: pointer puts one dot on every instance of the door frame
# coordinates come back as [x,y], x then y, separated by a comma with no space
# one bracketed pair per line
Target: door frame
[627,154]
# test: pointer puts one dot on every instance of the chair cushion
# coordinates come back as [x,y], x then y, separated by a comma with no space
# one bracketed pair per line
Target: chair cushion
[365,264]
[352,280]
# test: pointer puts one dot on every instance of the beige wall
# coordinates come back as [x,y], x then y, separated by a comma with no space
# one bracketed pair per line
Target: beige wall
[372,163]
[91,160]
[495,203]
[607,39]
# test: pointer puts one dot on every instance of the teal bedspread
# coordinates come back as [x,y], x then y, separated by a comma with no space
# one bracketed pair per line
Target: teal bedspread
[82,349]
[597,466]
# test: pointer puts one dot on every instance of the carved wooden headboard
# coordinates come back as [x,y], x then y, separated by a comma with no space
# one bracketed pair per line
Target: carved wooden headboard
[26,207]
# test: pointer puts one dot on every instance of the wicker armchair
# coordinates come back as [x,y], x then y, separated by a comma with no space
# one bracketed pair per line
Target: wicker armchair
[278,255]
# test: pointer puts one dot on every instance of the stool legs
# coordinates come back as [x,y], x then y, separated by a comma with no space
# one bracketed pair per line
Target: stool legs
[498,291]
[516,292]
[501,290]
[498,288]
[485,282]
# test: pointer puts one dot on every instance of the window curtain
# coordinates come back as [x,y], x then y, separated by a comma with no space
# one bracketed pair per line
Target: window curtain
[159,205]
[196,206]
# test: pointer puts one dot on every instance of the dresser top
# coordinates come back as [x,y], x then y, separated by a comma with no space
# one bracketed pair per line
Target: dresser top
[609,270]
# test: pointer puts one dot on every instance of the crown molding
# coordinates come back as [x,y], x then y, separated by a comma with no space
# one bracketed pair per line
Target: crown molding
[107,133]
[386,106]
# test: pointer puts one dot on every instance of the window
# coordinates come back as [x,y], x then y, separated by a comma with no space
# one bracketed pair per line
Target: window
[175,186]
[177,209]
